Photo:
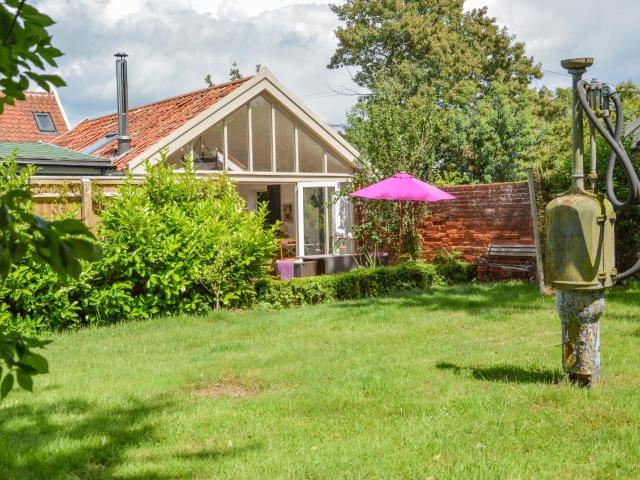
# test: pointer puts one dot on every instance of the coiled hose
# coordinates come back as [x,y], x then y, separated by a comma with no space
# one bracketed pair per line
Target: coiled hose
[613,135]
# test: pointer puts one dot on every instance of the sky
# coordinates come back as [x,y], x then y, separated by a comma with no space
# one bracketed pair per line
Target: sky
[174,44]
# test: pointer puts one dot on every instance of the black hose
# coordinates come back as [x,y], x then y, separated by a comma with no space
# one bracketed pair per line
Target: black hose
[613,136]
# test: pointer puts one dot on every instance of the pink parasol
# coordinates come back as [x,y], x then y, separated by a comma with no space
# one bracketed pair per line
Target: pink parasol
[402,187]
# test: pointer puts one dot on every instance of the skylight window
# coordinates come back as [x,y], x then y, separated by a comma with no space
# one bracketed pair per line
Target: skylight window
[44,122]
[100,143]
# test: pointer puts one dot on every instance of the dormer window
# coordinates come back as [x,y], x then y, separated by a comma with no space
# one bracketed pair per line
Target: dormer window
[44,122]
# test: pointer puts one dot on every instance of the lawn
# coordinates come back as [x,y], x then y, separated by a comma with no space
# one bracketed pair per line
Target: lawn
[462,382]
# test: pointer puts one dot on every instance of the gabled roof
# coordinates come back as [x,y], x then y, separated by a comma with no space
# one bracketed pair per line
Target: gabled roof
[147,123]
[18,124]
[174,121]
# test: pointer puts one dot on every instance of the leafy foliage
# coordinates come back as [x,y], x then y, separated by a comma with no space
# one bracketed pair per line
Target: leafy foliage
[234,72]
[177,243]
[32,243]
[453,268]
[453,51]
[354,285]
[25,51]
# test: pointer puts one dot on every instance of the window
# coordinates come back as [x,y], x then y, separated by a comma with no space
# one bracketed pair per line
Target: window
[208,149]
[238,138]
[311,155]
[177,157]
[44,122]
[285,144]
[336,166]
[100,143]
[261,133]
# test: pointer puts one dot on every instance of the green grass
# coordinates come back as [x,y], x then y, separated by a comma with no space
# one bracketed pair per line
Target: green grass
[460,383]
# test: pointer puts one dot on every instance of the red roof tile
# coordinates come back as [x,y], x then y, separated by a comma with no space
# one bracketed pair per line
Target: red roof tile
[17,123]
[148,124]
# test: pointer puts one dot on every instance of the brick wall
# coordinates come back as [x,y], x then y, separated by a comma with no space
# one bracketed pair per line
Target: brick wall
[498,213]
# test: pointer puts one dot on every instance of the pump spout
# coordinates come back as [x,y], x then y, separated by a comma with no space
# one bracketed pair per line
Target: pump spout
[577,67]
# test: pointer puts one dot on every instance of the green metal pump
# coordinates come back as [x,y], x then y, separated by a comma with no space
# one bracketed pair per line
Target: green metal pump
[580,241]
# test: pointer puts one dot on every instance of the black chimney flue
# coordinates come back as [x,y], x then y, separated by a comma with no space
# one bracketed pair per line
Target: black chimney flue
[124,140]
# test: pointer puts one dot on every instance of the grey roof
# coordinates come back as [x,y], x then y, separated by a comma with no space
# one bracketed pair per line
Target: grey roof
[46,153]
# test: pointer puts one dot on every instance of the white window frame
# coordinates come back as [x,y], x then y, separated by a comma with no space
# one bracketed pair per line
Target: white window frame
[300,186]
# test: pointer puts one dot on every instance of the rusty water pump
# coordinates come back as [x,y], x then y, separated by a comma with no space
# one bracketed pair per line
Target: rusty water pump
[579,244]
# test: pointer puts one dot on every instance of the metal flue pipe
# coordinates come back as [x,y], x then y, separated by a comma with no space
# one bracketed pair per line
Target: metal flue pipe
[124,140]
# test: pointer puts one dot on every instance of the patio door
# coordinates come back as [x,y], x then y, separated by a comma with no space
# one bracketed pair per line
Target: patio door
[317,218]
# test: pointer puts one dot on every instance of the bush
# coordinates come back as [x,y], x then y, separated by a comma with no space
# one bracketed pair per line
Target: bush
[360,283]
[178,243]
[451,267]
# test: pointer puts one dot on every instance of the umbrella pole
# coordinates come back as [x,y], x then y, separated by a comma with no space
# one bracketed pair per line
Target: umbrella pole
[401,224]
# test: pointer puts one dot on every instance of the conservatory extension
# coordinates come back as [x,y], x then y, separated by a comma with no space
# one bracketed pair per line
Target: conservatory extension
[274,148]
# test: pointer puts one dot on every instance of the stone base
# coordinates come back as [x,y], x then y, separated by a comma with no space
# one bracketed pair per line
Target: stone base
[580,314]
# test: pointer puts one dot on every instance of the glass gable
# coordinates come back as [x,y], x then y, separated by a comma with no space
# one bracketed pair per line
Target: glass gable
[310,154]
[261,134]
[208,149]
[285,143]
[238,137]
[253,145]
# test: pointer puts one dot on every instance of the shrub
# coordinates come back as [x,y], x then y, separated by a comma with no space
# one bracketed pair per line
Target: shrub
[451,267]
[360,283]
[177,243]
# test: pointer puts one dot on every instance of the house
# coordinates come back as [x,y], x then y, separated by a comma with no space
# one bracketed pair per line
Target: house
[273,146]
[38,118]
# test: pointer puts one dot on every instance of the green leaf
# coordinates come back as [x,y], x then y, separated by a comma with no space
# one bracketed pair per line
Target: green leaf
[25,380]
[38,362]
[70,227]
[84,249]
[6,385]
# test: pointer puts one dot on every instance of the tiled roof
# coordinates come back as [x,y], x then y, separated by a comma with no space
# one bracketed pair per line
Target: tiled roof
[148,124]
[17,123]
[42,151]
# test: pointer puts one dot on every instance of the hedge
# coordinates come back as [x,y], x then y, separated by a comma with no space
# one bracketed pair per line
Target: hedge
[360,283]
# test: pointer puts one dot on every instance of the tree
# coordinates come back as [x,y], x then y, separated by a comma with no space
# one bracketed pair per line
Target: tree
[60,244]
[393,134]
[471,71]
[234,72]
[208,79]
[455,52]
[493,140]
[447,100]
[25,51]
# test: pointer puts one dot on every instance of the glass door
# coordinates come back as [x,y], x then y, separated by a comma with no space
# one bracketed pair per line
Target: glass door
[316,218]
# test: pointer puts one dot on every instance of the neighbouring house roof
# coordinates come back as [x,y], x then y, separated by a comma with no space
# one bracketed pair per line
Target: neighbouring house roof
[148,124]
[18,122]
[39,153]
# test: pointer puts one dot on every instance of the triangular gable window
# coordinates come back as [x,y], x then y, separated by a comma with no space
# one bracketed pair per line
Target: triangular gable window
[260,137]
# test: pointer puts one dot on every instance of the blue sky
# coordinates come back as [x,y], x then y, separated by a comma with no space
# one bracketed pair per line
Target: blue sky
[173,44]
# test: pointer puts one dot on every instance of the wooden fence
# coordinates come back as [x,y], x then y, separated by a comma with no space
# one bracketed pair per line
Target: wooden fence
[80,196]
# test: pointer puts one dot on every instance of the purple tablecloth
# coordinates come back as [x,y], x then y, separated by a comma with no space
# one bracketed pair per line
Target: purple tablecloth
[285,268]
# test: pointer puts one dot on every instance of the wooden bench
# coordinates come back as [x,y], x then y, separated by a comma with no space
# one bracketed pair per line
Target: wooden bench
[527,254]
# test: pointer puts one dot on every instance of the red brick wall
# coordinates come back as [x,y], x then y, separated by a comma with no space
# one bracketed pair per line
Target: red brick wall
[498,213]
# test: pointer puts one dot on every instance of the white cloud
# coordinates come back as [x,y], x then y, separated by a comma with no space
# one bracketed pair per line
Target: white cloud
[553,30]
[173,44]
